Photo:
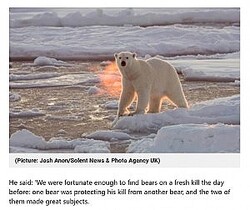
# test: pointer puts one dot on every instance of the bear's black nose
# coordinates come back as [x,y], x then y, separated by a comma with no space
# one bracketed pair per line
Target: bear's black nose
[123,63]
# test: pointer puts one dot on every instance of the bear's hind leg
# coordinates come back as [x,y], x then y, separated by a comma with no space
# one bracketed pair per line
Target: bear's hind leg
[155,105]
[179,99]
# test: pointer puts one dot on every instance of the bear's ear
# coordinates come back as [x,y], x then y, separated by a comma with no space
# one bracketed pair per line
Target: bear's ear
[115,55]
[134,55]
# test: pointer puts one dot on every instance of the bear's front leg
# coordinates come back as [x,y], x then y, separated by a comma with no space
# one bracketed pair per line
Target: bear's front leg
[126,98]
[143,101]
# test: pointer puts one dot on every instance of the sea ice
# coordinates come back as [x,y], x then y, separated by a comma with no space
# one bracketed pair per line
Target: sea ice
[24,140]
[14,97]
[223,110]
[46,61]
[109,135]
[26,113]
[191,138]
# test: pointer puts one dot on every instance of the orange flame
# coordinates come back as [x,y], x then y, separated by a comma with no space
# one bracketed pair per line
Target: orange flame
[111,80]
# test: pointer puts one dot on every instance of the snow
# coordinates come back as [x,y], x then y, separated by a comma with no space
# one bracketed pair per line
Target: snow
[25,141]
[64,117]
[45,61]
[223,70]
[191,138]
[111,105]
[61,80]
[223,110]
[25,138]
[109,135]
[26,113]
[93,146]
[105,63]
[32,76]
[141,146]
[118,17]
[14,97]
[168,32]
[94,90]
[162,40]
[236,83]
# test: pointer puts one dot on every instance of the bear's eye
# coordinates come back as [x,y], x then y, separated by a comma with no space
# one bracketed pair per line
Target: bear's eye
[120,58]
[127,58]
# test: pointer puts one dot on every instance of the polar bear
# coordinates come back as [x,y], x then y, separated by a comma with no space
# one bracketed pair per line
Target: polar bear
[151,80]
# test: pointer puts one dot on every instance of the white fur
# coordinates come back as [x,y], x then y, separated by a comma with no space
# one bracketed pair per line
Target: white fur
[151,80]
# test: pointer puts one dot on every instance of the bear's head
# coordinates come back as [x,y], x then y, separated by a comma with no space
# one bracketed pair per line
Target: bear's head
[124,59]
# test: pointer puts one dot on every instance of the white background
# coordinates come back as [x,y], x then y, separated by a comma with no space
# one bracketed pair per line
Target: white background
[236,178]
